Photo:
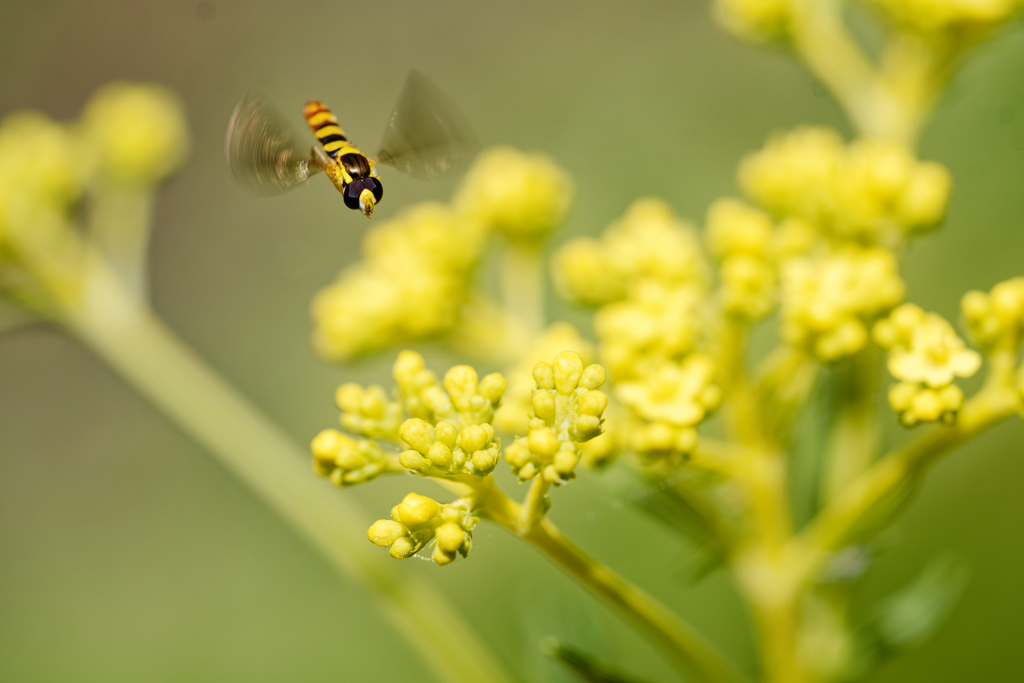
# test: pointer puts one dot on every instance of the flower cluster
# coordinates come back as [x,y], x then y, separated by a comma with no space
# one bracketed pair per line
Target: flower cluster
[996,318]
[523,196]
[418,520]
[411,283]
[45,166]
[931,16]
[925,354]
[830,300]
[414,278]
[754,20]
[345,460]
[650,244]
[741,237]
[670,403]
[872,191]
[516,405]
[567,411]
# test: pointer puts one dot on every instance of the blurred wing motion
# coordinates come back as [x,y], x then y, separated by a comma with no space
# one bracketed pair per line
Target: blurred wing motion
[426,136]
[261,150]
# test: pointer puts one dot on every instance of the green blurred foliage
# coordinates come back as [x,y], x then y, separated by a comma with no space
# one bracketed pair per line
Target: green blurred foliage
[127,554]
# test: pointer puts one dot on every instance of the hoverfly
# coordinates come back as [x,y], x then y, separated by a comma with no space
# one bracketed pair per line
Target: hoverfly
[425,137]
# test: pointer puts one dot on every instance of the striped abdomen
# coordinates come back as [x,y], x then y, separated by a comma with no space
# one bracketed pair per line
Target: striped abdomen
[325,127]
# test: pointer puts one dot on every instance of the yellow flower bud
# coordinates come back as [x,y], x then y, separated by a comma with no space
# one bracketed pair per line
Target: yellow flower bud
[384,532]
[542,442]
[493,386]
[412,460]
[441,557]
[461,383]
[417,434]
[450,537]
[567,370]
[593,403]
[440,454]
[327,443]
[416,509]
[446,433]
[593,377]
[544,376]
[403,548]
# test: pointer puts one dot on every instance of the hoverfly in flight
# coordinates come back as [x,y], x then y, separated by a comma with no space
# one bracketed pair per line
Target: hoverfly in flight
[425,137]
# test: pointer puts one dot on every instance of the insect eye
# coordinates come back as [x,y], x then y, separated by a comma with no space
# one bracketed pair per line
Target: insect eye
[351,194]
[374,185]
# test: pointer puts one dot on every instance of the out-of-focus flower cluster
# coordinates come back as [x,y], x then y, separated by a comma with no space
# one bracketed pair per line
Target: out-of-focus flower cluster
[129,134]
[930,16]
[874,192]
[415,275]
[996,318]
[650,279]
[754,20]
[411,283]
[830,300]
[523,196]
[925,354]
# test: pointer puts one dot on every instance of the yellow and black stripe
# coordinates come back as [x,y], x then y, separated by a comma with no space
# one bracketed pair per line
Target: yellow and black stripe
[324,125]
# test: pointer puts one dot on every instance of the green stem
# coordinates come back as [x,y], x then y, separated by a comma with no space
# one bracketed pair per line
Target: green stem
[522,284]
[853,443]
[119,221]
[533,506]
[684,647]
[136,344]
[827,532]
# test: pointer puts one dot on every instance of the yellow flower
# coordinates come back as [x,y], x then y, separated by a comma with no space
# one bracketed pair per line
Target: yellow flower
[828,301]
[915,404]
[929,16]
[935,355]
[754,20]
[748,287]
[138,132]
[648,244]
[667,405]
[524,196]
[656,323]
[926,354]
[998,316]
[734,227]
[411,284]
[872,191]
[41,169]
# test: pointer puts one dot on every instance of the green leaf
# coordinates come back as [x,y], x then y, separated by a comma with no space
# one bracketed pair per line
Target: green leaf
[913,614]
[586,667]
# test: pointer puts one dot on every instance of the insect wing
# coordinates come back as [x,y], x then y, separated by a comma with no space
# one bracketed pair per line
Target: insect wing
[262,151]
[426,135]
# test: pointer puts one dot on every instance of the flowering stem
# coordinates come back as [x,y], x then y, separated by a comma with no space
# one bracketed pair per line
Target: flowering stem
[533,506]
[522,284]
[136,344]
[854,438]
[119,220]
[685,648]
[827,532]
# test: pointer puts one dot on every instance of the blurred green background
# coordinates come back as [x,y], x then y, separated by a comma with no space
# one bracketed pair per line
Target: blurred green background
[127,554]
